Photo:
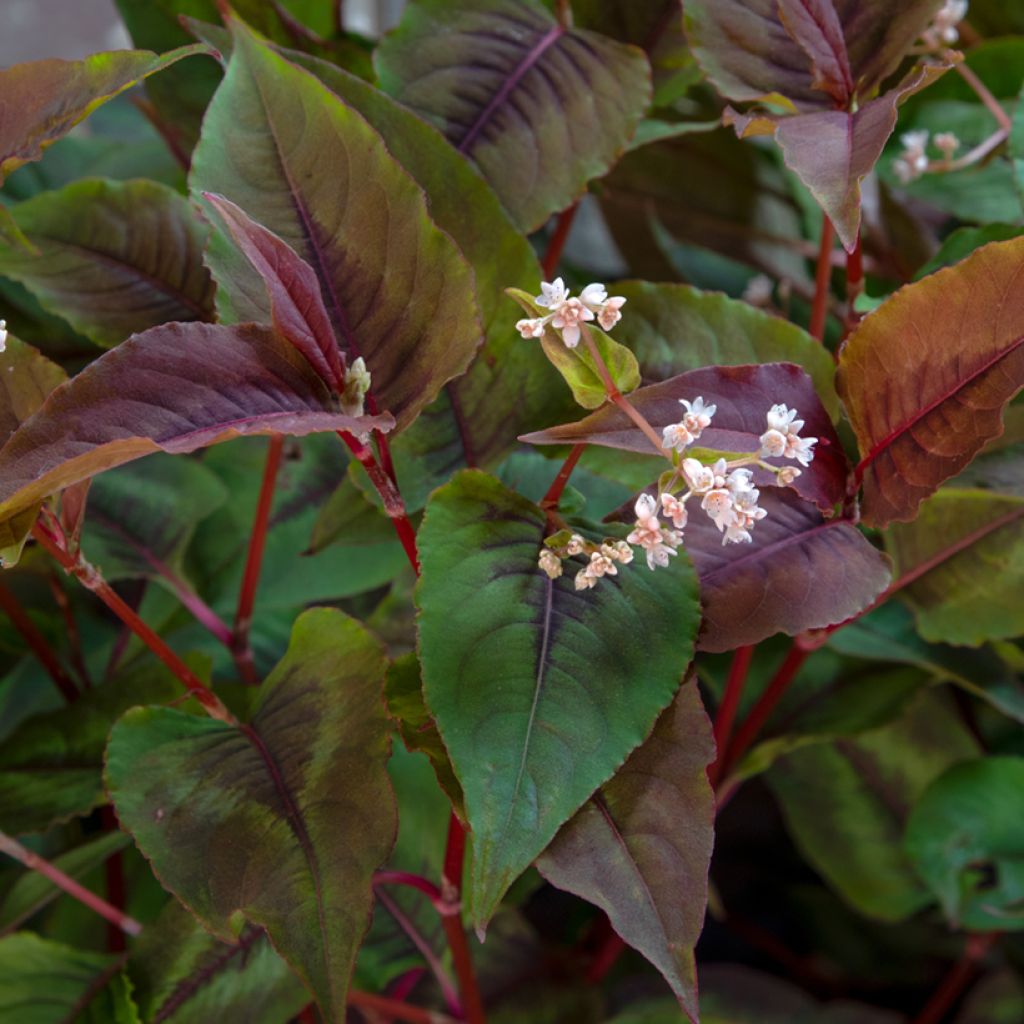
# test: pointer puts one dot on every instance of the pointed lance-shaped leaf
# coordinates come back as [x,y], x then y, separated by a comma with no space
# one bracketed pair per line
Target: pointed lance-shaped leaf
[281,822]
[540,108]
[396,288]
[815,26]
[926,376]
[174,388]
[799,572]
[743,395]
[45,99]
[296,305]
[112,258]
[524,674]
[640,847]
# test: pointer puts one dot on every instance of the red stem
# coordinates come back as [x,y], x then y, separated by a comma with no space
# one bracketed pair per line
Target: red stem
[424,885]
[403,987]
[611,949]
[38,644]
[553,253]
[766,703]
[554,494]
[854,281]
[822,279]
[730,704]
[254,562]
[400,1011]
[89,899]
[116,892]
[74,637]
[93,581]
[957,980]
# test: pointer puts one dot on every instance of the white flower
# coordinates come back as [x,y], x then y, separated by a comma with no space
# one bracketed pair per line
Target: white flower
[745,513]
[531,328]
[699,478]
[595,298]
[357,384]
[947,143]
[611,313]
[740,481]
[943,27]
[674,509]
[550,563]
[660,544]
[583,581]
[618,551]
[801,449]
[576,545]
[718,505]
[913,161]
[3,335]
[676,436]
[601,565]
[758,291]
[567,319]
[782,438]
[773,444]
[782,418]
[698,415]
[552,295]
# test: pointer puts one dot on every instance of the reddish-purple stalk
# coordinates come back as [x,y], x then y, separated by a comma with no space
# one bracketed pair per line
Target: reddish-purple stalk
[254,562]
[38,644]
[31,860]
[60,598]
[399,1011]
[560,235]
[113,868]
[726,714]
[91,579]
[854,283]
[956,982]
[418,882]
[554,493]
[403,987]
[822,280]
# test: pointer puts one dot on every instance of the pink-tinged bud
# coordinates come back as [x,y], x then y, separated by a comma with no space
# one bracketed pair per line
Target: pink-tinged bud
[550,563]
[787,475]
[583,581]
[675,510]
[531,328]
[676,436]
[576,546]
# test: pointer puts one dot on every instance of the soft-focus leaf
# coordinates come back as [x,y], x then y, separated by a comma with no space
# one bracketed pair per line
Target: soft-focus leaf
[113,257]
[141,517]
[966,840]
[540,108]
[524,674]
[640,847]
[846,803]
[183,975]
[965,551]
[799,572]
[26,378]
[45,99]
[924,407]
[743,395]
[397,290]
[174,388]
[959,244]
[32,891]
[995,999]
[302,791]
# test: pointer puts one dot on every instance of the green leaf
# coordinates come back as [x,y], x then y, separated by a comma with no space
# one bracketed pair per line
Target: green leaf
[113,257]
[965,554]
[541,109]
[45,99]
[183,975]
[141,517]
[50,767]
[397,290]
[923,409]
[959,244]
[524,674]
[846,804]
[995,999]
[640,847]
[32,891]
[302,792]
[174,388]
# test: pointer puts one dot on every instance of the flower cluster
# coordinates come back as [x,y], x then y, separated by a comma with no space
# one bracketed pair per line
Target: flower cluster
[943,29]
[602,559]
[3,335]
[568,313]
[913,161]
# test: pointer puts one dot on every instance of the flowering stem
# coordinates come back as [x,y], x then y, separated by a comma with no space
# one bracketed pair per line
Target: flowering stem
[822,279]
[554,494]
[761,711]
[38,644]
[89,899]
[75,565]
[553,253]
[254,562]
[726,715]
[957,980]
[986,97]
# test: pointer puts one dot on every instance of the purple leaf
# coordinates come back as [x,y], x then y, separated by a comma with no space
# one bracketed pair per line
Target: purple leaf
[815,26]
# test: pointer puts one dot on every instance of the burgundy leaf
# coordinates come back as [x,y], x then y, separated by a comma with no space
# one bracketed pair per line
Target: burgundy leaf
[743,394]
[296,302]
[815,26]
[174,388]
[800,572]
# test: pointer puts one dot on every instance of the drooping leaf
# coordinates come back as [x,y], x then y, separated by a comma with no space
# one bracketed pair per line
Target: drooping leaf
[141,517]
[45,99]
[396,289]
[673,328]
[966,839]
[846,803]
[32,891]
[923,408]
[183,975]
[50,767]
[302,791]
[799,572]
[541,109]
[113,258]
[973,540]
[524,674]
[743,395]
[640,847]
[174,388]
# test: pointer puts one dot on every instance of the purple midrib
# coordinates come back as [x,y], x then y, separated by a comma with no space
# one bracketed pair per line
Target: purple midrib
[509,85]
